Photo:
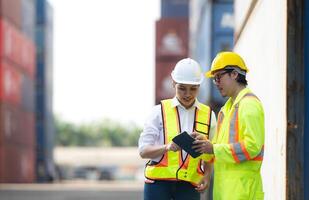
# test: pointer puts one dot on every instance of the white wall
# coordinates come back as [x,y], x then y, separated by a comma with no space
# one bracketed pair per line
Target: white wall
[262,44]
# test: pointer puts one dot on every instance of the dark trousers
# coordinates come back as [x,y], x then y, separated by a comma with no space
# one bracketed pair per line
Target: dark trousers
[167,190]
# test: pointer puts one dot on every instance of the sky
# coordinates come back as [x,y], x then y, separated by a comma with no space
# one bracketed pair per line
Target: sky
[104,58]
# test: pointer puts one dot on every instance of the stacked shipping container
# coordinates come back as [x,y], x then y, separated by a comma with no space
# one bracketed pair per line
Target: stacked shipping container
[17,70]
[211,31]
[171,44]
[44,115]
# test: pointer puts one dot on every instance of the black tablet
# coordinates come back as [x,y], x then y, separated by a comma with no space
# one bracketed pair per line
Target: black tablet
[185,141]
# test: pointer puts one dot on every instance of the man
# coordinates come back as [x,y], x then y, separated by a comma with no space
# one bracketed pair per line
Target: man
[238,145]
[171,173]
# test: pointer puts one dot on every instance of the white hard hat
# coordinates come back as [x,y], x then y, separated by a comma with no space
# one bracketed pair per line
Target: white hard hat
[187,71]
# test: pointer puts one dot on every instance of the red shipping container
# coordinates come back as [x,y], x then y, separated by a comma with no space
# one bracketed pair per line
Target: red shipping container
[16,127]
[9,124]
[10,84]
[27,55]
[9,41]
[164,82]
[11,10]
[16,47]
[17,164]
[172,38]
[27,129]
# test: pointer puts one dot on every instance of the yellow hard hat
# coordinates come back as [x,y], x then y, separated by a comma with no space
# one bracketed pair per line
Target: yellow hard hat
[226,59]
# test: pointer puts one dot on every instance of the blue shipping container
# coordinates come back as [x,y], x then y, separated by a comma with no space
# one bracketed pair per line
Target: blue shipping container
[222,39]
[174,8]
[44,91]
[223,18]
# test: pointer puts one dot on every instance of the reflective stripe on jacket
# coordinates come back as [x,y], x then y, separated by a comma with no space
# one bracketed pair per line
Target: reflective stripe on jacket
[238,149]
[172,165]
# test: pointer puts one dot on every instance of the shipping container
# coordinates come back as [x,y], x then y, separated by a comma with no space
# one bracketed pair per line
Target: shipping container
[164,83]
[223,18]
[45,167]
[27,94]
[10,84]
[268,39]
[172,39]
[9,124]
[212,32]
[17,48]
[174,8]
[28,18]
[306,121]
[16,126]
[16,164]
[9,45]
[27,56]
[11,10]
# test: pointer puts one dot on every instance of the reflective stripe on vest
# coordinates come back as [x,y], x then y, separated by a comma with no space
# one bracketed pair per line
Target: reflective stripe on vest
[172,165]
[238,149]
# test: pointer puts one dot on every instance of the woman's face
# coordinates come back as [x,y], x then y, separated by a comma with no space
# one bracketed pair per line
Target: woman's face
[186,94]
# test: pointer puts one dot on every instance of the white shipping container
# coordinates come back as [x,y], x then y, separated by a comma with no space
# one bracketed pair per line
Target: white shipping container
[263,45]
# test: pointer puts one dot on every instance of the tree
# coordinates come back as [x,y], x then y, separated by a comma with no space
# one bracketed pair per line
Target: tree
[102,133]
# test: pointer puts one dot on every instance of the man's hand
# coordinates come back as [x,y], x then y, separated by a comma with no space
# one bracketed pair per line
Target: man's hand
[203,146]
[198,136]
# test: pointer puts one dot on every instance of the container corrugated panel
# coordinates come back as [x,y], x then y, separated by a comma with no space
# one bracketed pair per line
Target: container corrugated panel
[17,164]
[27,55]
[40,35]
[40,11]
[27,94]
[10,84]
[164,83]
[11,10]
[27,134]
[16,47]
[9,124]
[40,137]
[16,126]
[44,12]
[174,8]
[28,18]
[9,41]
[223,18]
[172,37]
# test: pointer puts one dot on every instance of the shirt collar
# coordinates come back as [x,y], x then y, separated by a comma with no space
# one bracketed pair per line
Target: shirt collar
[175,103]
[240,95]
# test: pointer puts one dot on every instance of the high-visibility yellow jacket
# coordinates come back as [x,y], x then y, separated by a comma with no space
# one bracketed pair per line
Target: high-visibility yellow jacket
[172,166]
[238,149]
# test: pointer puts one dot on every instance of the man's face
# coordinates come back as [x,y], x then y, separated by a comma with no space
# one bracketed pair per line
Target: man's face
[186,94]
[224,82]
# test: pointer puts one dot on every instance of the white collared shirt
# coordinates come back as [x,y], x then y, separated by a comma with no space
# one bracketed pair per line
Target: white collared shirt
[153,127]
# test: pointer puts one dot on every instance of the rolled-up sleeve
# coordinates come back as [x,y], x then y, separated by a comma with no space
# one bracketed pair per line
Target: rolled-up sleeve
[152,129]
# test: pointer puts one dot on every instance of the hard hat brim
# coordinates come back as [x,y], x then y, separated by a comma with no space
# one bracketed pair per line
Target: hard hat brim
[209,74]
[188,82]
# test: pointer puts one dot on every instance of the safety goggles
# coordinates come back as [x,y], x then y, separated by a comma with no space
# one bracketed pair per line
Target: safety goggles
[218,77]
